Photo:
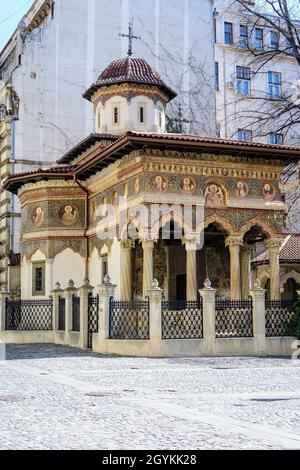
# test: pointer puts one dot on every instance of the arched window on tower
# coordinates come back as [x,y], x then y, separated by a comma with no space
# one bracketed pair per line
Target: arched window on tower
[142,114]
[116,116]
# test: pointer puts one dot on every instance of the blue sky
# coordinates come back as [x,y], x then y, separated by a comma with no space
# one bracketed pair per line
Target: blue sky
[11,11]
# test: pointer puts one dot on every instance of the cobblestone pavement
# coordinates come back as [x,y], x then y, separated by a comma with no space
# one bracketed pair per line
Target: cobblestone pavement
[60,398]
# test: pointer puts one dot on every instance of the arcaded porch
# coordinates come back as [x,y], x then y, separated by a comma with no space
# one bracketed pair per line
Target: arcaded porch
[182,262]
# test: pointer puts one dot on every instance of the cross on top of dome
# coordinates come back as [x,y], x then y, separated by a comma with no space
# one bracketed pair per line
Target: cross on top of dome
[130,37]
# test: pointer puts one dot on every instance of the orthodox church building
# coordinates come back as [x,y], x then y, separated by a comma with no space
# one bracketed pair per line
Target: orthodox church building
[138,204]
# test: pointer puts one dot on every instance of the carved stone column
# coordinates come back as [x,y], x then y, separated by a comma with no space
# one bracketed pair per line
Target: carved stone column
[191,247]
[234,244]
[273,245]
[245,270]
[148,247]
[126,269]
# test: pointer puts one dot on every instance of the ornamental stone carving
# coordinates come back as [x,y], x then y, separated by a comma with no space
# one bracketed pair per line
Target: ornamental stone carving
[233,241]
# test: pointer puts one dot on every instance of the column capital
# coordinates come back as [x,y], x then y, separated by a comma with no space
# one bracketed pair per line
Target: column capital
[233,240]
[127,244]
[273,243]
[191,243]
[246,250]
[146,243]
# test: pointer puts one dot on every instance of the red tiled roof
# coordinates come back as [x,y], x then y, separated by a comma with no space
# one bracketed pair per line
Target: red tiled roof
[84,145]
[214,140]
[129,70]
[62,171]
[131,140]
[289,251]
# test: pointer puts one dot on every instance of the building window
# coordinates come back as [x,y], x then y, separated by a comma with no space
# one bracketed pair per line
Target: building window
[160,119]
[275,138]
[244,135]
[38,281]
[274,85]
[259,39]
[243,36]
[274,41]
[52,10]
[243,80]
[217,78]
[142,114]
[99,120]
[228,31]
[116,115]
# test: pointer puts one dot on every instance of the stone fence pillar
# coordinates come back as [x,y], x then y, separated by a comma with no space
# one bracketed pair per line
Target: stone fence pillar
[69,292]
[4,295]
[259,317]
[208,295]
[106,292]
[84,293]
[155,320]
[57,293]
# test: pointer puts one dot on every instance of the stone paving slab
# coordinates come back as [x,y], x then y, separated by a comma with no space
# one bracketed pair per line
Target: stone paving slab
[60,398]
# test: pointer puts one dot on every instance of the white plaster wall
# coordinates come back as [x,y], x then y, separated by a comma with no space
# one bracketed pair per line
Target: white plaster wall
[25,278]
[95,270]
[129,115]
[68,265]
[114,263]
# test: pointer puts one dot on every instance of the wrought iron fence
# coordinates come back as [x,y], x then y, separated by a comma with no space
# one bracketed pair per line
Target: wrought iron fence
[234,318]
[93,318]
[278,316]
[182,319]
[61,314]
[75,313]
[129,320]
[28,315]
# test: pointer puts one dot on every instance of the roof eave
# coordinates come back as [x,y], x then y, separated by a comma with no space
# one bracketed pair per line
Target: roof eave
[96,86]
[14,183]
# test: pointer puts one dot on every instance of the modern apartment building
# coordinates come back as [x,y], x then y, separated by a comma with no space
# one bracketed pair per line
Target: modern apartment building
[247,90]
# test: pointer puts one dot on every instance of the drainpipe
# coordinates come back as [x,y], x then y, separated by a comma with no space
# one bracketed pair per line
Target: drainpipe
[12,197]
[86,223]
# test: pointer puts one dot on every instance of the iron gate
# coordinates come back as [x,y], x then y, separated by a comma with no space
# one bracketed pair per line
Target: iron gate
[93,318]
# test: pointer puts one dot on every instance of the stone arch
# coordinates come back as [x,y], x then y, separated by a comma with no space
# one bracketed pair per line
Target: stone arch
[263,276]
[256,221]
[222,222]
[35,250]
[185,225]
[124,232]
[289,275]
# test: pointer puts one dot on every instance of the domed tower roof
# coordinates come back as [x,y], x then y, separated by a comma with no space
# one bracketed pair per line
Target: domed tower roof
[129,70]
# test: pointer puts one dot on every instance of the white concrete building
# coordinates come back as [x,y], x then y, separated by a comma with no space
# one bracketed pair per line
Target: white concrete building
[239,91]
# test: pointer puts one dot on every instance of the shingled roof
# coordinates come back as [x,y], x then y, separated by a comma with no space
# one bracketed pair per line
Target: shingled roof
[136,140]
[288,253]
[129,70]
